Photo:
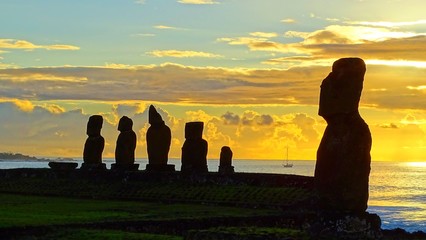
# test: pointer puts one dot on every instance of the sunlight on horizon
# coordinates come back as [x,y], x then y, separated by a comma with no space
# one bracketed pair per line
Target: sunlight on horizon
[416,164]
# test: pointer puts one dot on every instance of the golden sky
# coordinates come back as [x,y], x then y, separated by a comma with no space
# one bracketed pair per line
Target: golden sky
[250,70]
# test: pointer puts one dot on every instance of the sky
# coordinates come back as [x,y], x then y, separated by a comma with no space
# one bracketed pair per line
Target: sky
[249,69]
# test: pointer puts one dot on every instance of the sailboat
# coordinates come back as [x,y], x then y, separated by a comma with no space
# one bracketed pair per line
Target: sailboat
[287,164]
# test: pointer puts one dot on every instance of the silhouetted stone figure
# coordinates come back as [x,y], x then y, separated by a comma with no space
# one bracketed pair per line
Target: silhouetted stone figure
[225,162]
[194,150]
[158,140]
[125,147]
[343,158]
[94,146]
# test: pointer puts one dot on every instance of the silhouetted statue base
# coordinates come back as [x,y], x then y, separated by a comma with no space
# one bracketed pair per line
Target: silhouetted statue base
[124,167]
[63,165]
[160,167]
[226,169]
[93,166]
[337,225]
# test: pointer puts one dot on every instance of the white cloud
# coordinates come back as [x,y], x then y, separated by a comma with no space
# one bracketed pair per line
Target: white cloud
[288,20]
[387,24]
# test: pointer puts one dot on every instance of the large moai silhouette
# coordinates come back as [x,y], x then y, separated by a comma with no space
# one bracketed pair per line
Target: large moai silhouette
[194,149]
[158,140]
[343,158]
[94,146]
[225,161]
[126,146]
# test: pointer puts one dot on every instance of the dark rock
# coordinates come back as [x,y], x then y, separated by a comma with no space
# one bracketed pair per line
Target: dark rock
[343,157]
[158,140]
[63,165]
[93,166]
[95,143]
[126,143]
[337,225]
[225,162]
[194,149]
[124,167]
[160,167]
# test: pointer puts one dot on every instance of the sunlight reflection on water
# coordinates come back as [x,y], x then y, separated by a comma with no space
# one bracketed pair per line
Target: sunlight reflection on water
[398,194]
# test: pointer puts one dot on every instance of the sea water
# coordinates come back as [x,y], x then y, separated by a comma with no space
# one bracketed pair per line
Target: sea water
[397,189]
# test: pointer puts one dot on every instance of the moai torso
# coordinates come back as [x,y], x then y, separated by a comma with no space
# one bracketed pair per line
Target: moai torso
[158,139]
[194,150]
[225,162]
[94,146]
[126,142]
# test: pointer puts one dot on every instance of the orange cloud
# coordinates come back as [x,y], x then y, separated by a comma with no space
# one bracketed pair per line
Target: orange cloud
[264,34]
[22,44]
[336,41]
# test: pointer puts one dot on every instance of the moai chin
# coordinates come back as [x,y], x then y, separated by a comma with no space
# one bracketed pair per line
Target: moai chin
[94,145]
[343,158]
[225,162]
[126,146]
[158,140]
[194,149]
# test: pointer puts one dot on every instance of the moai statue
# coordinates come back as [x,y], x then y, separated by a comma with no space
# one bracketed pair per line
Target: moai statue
[343,158]
[194,150]
[158,140]
[94,146]
[225,162]
[125,147]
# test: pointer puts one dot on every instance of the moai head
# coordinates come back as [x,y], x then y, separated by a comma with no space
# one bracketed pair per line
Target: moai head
[94,126]
[125,124]
[341,89]
[194,130]
[226,156]
[154,117]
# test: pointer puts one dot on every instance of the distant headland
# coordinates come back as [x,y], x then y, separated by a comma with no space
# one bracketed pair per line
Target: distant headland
[20,156]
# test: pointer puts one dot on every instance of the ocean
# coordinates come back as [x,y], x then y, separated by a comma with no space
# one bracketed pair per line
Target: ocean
[397,189]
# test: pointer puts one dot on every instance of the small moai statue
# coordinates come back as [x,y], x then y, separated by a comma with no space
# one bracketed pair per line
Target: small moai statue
[225,162]
[94,146]
[343,158]
[125,147]
[194,149]
[158,140]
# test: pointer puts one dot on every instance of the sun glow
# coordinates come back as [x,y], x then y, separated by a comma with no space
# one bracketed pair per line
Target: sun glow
[397,63]
[417,164]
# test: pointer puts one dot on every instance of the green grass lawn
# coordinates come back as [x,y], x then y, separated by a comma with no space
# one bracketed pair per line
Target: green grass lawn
[159,191]
[20,210]
[93,234]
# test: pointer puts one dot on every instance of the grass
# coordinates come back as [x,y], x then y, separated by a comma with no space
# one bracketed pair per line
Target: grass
[56,207]
[158,191]
[93,234]
[20,211]
[249,233]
